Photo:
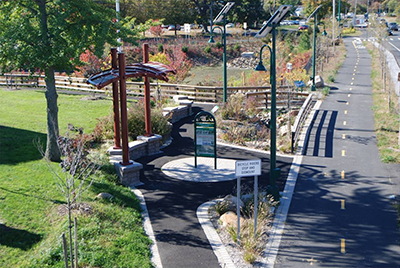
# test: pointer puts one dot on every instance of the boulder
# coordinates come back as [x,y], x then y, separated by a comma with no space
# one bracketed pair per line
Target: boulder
[230,202]
[319,82]
[104,196]
[230,219]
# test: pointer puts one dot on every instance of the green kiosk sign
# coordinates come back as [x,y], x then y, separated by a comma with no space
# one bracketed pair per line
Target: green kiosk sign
[205,138]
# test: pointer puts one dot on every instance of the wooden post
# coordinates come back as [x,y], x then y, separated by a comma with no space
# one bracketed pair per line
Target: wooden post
[124,113]
[76,241]
[147,111]
[117,129]
[64,242]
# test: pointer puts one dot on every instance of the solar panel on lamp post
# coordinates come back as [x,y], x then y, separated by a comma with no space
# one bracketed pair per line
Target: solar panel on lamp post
[222,17]
[269,27]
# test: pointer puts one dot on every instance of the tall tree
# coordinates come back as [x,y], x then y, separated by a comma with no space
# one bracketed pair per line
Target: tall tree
[49,36]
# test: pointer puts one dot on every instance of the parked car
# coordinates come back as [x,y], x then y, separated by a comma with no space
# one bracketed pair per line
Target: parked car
[230,25]
[393,26]
[303,27]
[172,27]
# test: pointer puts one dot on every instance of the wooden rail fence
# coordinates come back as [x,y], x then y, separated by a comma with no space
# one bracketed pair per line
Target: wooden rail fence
[195,93]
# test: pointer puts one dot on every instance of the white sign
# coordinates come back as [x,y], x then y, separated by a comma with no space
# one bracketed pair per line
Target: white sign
[246,168]
[245,25]
[186,27]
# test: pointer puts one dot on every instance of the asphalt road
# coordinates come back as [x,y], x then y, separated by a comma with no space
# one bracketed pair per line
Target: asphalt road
[393,45]
[341,214]
[172,203]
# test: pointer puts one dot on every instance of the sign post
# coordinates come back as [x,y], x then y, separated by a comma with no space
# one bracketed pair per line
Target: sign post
[205,137]
[246,168]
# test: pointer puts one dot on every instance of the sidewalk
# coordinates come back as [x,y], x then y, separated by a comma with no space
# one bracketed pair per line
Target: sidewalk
[341,214]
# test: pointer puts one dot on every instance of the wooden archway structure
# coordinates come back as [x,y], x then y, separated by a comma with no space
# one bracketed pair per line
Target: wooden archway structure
[119,73]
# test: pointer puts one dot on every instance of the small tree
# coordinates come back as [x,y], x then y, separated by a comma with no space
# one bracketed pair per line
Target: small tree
[73,179]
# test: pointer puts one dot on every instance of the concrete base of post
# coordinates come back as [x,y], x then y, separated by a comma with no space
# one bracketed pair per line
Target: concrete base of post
[129,175]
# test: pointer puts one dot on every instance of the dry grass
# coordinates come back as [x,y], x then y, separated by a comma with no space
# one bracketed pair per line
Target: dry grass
[386,118]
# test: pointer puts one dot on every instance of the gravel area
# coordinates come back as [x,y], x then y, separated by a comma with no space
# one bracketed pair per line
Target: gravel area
[236,252]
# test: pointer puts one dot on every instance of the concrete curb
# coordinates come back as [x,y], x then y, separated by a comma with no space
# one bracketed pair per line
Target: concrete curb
[155,255]
[213,238]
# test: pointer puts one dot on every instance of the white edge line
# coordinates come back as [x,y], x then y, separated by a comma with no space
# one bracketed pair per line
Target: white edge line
[394,46]
[278,226]
[155,255]
[219,249]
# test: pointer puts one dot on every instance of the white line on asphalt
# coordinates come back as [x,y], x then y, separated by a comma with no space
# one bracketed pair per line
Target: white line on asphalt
[394,47]
[278,225]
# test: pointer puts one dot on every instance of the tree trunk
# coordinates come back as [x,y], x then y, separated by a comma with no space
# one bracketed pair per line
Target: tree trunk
[52,151]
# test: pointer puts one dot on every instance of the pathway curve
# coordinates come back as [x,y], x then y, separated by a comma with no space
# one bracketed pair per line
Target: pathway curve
[172,203]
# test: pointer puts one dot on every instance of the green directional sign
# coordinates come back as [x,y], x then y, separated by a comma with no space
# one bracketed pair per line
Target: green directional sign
[205,139]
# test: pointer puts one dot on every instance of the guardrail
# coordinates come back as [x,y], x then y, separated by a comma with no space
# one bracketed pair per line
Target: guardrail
[301,117]
[282,99]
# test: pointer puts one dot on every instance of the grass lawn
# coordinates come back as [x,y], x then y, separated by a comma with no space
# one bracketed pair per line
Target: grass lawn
[112,236]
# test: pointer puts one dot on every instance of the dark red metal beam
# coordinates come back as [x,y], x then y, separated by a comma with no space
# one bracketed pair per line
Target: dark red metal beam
[117,129]
[124,110]
[147,107]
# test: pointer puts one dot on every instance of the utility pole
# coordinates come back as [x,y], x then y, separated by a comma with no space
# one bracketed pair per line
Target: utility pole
[117,10]
[333,25]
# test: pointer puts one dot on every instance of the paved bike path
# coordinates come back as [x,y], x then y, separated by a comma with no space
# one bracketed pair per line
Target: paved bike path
[341,214]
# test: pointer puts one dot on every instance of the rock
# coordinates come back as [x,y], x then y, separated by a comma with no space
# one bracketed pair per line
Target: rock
[283,131]
[230,202]
[104,196]
[248,55]
[319,82]
[230,219]
[243,63]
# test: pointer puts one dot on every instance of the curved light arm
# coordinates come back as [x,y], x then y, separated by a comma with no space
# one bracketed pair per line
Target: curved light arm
[260,66]
[222,34]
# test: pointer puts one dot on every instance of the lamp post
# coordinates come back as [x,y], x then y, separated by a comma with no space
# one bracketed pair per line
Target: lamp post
[223,39]
[269,27]
[274,171]
[222,17]
[314,45]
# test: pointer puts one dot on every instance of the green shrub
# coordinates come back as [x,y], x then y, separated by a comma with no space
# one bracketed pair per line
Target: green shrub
[207,50]
[185,49]
[237,47]
[304,43]
[348,30]
[218,45]
[136,123]
[221,207]
[160,48]
[331,78]
[325,91]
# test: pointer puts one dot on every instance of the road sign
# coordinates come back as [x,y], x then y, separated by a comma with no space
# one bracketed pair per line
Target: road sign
[246,168]
[275,19]
[186,27]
